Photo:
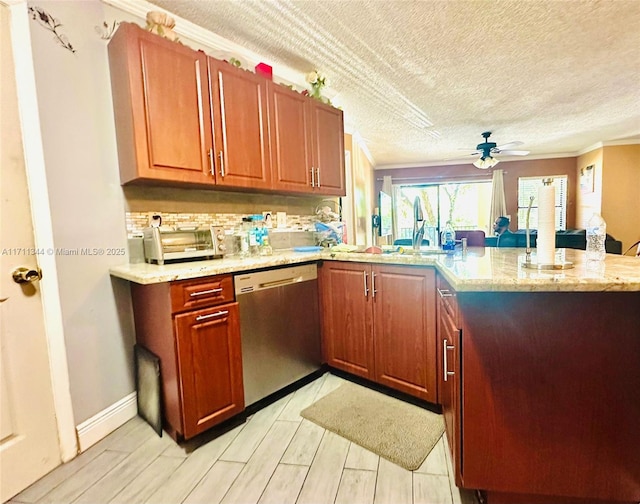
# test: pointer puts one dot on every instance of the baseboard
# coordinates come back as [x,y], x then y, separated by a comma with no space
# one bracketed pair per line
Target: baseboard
[105,422]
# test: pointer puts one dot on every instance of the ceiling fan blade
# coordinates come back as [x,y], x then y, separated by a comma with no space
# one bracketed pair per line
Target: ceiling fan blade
[463,156]
[508,145]
[513,152]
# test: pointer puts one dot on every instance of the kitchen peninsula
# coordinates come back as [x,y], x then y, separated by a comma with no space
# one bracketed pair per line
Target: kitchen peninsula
[538,372]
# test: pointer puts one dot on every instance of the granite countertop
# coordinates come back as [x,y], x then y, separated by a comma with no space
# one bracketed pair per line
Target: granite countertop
[480,269]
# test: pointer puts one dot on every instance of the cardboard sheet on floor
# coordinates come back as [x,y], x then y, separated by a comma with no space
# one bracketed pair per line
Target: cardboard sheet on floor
[147,367]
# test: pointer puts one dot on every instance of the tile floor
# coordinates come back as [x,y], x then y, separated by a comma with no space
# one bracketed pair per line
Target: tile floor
[275,457]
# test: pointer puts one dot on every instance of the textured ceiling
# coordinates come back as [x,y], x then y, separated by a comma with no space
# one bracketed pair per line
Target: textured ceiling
[419,80]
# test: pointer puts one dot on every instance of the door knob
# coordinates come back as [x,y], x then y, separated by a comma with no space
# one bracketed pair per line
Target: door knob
[25,275]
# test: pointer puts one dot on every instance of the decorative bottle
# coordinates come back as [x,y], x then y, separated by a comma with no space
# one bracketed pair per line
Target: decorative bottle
[596,235]
[448,237]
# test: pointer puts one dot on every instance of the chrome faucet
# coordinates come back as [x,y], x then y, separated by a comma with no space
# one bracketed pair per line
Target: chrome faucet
[418,224]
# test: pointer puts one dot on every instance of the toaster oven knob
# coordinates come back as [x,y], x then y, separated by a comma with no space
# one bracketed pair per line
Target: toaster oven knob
[222,247]
[220,237]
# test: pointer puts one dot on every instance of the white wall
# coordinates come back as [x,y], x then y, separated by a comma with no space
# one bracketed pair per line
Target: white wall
[87,203]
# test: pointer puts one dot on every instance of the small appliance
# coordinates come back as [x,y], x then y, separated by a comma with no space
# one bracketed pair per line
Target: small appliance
[162,244]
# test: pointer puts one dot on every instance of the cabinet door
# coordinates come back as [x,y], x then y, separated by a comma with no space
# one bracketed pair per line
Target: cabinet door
[208,344]
[347,331]
[328,148]
[290,134]
[449,382]
[161,108]
[405,329]
[241,144]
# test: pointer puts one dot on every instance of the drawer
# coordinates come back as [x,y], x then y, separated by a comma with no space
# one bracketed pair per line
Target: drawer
[201,292]
[447,299]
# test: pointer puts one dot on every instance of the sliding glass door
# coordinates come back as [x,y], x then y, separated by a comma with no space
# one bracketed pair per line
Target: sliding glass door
[466,205]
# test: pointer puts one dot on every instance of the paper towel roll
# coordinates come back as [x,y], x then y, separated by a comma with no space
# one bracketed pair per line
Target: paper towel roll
[546,241]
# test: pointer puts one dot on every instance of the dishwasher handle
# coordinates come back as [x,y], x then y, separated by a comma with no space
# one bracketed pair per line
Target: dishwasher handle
[276,283]
[270,279]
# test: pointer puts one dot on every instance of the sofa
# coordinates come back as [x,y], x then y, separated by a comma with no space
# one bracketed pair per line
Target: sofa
[570,238]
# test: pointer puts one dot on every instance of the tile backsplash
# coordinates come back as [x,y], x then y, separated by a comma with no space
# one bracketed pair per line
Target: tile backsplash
[137,221]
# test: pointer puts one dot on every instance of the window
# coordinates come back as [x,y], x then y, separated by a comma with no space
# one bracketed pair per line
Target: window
[466,205]
[527,187]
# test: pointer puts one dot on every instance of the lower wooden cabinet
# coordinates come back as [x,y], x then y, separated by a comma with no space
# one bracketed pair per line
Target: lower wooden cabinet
[379,322]
[448,349]
[199,349]
[210,360]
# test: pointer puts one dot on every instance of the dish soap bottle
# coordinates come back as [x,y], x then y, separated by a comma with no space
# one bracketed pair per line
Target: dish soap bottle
[448,237]
[596,235]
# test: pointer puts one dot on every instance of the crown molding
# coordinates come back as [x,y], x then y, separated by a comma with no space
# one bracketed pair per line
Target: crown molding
[427,164]
[610,143]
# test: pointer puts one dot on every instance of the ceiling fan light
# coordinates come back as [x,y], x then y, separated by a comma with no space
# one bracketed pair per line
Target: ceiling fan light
[486,162]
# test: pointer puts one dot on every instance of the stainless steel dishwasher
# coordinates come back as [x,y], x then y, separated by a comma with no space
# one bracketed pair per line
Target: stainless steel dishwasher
[280,328]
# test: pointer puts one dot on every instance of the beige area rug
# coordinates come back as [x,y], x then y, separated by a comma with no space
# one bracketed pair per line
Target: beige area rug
[397,431]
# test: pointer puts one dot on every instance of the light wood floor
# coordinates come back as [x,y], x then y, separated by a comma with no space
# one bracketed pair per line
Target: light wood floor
[275,457]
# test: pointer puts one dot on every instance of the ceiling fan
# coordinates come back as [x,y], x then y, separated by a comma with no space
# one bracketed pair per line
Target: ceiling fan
[488,149]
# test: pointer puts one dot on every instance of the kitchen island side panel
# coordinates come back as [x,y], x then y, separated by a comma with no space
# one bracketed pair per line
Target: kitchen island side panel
[154,331]
[551,393]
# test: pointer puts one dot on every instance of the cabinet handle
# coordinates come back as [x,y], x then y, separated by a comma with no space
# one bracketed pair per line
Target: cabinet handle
[220,155]
[373,285]
[317,177]
[202,293]
[366,290]
[313,177]
[445,365]
[211,315]
[212,165]
[445,293]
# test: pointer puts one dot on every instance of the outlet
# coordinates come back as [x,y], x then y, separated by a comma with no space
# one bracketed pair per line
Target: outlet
[154,219]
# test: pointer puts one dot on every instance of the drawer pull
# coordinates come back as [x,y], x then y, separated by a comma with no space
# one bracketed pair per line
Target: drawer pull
[445,364]
[205,292]
[211,315]
[212,163]
[221,156]
[445,293]
[366,289]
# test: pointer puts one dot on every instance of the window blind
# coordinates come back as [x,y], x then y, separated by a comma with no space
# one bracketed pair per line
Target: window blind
[527,187]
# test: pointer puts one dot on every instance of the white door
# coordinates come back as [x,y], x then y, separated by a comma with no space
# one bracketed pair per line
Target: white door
[29,446]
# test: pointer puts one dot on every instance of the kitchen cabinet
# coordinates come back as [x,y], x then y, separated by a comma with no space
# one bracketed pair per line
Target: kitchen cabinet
[183,118]
[327,127]
[529,381]
[379,323]
[448,351]
[161,108]
[347,321]
[291,141]
[307,143]
[241,144]
[193,327]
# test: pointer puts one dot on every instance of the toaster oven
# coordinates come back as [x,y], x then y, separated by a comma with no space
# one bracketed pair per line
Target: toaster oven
[182,244]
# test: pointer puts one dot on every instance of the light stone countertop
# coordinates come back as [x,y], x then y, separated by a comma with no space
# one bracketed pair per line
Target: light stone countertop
[480,269]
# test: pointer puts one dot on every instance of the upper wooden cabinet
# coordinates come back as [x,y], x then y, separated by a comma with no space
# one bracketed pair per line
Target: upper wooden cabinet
[328,159]
[161,108]
[307,143]
[239,103]
[185,118]
[291,141]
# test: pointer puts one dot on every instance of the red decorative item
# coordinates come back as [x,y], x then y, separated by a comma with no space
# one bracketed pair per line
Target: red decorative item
[265,70]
